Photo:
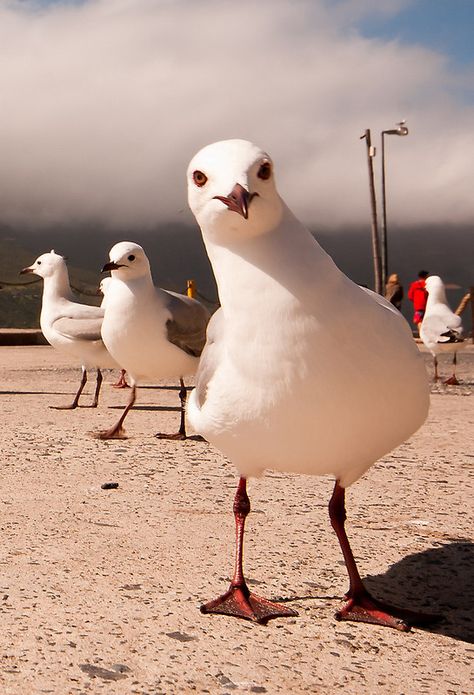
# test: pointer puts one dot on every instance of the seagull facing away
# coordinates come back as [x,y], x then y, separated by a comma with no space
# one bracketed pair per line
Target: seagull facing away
[69,326]
[151,332]
[296,352]
[441,329]
[104,283]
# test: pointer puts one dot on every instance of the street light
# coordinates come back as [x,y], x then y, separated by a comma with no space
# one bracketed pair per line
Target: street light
[373,210]
[401,130]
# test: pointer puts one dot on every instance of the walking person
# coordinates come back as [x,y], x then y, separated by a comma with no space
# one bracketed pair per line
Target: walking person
[418,295]
[394,291]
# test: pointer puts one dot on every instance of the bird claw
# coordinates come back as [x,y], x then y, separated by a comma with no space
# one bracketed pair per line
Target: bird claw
[366,609]
[239,602]
[177,436]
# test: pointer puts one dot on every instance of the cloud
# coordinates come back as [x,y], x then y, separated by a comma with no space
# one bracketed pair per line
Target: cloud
[106,101]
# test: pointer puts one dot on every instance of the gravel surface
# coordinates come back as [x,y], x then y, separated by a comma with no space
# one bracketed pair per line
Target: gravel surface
[100,588]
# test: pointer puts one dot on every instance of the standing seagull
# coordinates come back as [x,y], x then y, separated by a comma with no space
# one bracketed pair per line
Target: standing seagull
[69,326]
[296,351]
[441,329]
[104,283]
[152,333]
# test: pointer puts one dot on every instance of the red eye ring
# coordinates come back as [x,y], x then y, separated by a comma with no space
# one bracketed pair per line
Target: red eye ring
[199,178]
[265,171]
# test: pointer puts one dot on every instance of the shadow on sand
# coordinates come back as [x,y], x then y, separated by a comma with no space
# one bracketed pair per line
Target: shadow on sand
[439,580]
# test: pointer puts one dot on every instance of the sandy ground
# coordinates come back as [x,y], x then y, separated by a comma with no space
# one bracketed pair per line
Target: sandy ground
[99,589]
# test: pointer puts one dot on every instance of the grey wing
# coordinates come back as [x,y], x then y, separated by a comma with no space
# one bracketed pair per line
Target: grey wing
[187,326]
[79,329]
[436,328]
[74,310]
[210,356]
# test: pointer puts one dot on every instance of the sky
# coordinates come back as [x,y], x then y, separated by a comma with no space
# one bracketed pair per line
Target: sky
[104,102]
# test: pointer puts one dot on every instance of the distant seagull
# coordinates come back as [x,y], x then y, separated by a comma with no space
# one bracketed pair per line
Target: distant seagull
[302,370]
[70,327]
[441,329]
[122,382]
[152,332]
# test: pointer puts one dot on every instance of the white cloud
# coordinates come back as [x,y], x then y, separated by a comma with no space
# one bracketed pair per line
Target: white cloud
[106,101]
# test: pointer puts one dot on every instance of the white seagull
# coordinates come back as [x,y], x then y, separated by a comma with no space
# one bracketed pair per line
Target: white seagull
[70,327]
[104,283]
[301,367]
[151,332]
[441,329]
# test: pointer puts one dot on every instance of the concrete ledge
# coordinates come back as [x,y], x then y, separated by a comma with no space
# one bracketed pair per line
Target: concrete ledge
[22,336]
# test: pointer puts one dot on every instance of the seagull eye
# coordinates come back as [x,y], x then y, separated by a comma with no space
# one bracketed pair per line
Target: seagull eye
[265,171]
[39,262]
[199,178]
[131,257]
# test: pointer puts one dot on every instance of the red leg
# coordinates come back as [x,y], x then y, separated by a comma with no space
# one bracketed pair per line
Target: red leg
[117,432]
[98,384]
[239,601]
[122,382]
[361,606]
[76,397]
[452,379]
[181,433]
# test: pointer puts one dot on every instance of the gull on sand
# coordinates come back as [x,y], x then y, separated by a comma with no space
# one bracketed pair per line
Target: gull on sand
[70,327]
[441,329]
[302,369]
[153,333]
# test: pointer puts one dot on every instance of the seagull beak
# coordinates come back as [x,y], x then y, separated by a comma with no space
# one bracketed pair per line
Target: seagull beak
[112,266]
[26,270]
[238,200]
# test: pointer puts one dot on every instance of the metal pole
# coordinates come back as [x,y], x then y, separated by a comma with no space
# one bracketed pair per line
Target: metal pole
[401,130]
[472,311]
[383,230]
[373,208]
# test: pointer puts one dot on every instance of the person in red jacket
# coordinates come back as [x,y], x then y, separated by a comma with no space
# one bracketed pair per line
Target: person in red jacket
[418,295]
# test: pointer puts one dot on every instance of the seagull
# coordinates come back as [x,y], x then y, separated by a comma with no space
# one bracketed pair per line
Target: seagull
[70,327]
[441,329]
[104,283]
[301,365]
[153,333]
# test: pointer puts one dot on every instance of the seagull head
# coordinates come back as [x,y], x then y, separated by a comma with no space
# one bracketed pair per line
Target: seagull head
[435,287]
[231,191]
[46,265]
[128,261]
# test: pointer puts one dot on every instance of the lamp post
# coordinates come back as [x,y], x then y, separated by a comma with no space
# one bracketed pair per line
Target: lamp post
[373,209]
[401,130]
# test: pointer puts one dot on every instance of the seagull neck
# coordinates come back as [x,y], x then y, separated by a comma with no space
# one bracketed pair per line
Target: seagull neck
[284,266]
[437,296]
[57,286]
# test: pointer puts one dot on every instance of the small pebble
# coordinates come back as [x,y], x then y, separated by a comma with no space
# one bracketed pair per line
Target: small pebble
[109,486]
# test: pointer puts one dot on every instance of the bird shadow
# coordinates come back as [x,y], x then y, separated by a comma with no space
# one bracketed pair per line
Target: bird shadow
[438,581]
[165,388]
[152,408]
[33,393]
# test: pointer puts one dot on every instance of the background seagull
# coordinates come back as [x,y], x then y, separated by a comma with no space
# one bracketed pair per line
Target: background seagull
[69,326]
[151,332]
[301,366]
[441,329]
[104,283]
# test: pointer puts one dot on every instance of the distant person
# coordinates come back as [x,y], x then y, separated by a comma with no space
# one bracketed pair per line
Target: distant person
[394,291]
[419,296]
